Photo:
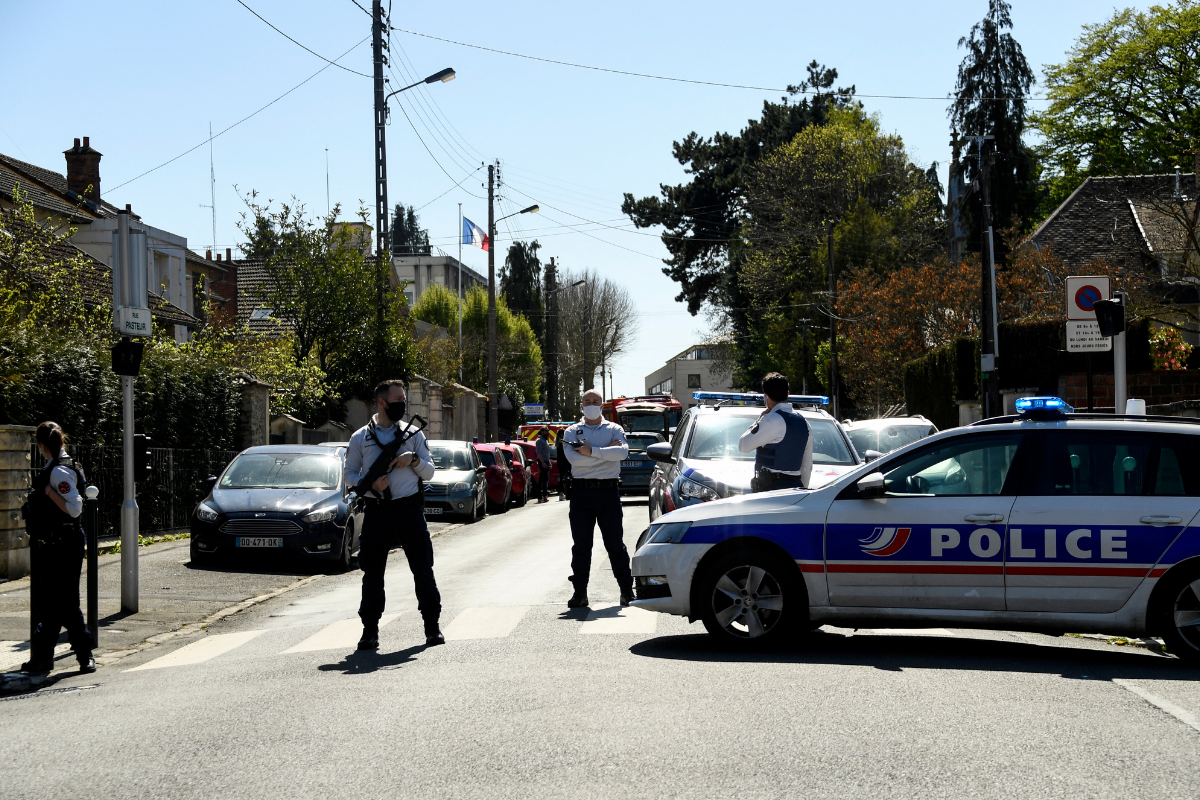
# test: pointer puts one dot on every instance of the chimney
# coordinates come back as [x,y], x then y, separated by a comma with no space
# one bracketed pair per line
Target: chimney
[83,170]
[229,254]
[208,255]
[218,256]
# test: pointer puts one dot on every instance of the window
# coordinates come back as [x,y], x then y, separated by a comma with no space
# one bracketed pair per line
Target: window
[283,471]
[828,445]
[638,442]
[679,435]
[1097,463]
[885,440]
[661,388]
[977,465]
[715,437]
[488,458]
[693,381]
[450,458]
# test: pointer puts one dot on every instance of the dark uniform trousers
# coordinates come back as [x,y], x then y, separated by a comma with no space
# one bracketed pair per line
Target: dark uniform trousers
[386,524]
[54,594]
[543,480]
[590,506]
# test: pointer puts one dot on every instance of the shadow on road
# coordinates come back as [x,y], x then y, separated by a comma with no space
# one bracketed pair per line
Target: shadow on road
[250,565]
[896,653]
[362,662]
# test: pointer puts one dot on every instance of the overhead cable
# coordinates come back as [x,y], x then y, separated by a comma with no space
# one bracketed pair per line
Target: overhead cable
[293,41]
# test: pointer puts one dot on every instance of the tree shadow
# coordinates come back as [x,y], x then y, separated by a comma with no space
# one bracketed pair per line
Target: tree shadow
[895,653]
[363,662]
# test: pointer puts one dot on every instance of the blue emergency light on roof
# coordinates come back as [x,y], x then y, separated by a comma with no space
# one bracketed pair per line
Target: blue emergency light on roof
[757,398]
[1049,406]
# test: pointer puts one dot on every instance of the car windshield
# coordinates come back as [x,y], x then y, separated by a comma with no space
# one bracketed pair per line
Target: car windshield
[639,442]
[488,458]
[283,471]
[644,422]
[508,457]
[715,437]
[888,438]
[450,457]
[829,447]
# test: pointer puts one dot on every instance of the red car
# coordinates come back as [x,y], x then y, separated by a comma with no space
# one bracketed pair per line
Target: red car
[522,480]
[499,477]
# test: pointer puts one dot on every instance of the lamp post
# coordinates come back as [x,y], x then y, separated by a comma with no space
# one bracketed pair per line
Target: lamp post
[493,389]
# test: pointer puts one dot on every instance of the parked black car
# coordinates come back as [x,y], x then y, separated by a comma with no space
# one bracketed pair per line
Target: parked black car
[286,498]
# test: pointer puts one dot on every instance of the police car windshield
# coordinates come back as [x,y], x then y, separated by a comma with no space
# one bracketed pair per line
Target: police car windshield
[450,458]
[715,437]
[283,471]
[888,438]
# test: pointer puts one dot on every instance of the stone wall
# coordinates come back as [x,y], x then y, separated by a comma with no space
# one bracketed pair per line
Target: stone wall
[15,443]
[255,416]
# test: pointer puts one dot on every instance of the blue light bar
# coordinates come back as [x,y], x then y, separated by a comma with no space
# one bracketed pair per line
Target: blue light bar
[1028,404]
[757,398]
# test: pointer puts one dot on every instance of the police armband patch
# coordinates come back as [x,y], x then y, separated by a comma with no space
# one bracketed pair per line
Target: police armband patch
[754,428]
[63,487]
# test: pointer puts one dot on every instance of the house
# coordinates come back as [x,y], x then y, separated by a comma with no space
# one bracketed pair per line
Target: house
[174,273]
[693,370]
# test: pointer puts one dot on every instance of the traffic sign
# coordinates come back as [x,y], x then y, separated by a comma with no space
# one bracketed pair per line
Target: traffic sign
[1083,336]
[133,321]
[1082,294]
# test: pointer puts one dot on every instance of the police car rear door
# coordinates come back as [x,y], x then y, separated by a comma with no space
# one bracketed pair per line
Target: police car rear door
[935,540]
[1096,516]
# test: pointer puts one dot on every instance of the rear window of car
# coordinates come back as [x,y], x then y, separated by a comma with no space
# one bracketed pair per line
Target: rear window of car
[283,471]
[450,458]
[886,439]
[487,457]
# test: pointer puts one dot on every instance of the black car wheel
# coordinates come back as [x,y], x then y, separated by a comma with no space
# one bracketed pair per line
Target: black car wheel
[1177,615]
[523,498]
[342,562]
[750,599]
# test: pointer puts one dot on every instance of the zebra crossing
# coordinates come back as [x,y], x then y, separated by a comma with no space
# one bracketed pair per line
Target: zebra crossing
[498,622]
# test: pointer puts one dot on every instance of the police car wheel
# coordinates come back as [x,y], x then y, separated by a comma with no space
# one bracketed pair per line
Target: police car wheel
[1179,615]
[750,599]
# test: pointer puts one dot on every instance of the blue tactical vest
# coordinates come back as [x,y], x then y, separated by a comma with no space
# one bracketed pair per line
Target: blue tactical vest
[786,455]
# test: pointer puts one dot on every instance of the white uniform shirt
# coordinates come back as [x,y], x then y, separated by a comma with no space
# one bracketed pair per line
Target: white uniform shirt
[362,452]
[607,440]
[770,429]
[63,480]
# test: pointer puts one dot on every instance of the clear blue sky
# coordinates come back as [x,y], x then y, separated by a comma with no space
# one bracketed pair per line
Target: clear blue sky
[145,79]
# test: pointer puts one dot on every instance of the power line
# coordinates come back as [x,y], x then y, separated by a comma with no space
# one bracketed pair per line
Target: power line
[240,121]
[451,189]
[293,41]
[427,150]
[368,13]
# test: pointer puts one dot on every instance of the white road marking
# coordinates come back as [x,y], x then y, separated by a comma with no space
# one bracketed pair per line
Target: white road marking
[619,619]
[903,632]
[1179,713]
[201,651]
[485,623]
[338,636]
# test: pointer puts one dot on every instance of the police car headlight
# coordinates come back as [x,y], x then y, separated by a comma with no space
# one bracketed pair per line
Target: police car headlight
[206,513]
[460,487]
[667,532]
[321,514]
[697,491]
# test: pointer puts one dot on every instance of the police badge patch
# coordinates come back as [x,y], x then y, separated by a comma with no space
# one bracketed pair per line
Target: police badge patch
[754,428]
[63,487]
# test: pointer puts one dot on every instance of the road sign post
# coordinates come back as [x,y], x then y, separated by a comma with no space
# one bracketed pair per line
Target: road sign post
[1083,334]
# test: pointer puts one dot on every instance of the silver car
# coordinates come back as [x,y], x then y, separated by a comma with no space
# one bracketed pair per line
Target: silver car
[873,438]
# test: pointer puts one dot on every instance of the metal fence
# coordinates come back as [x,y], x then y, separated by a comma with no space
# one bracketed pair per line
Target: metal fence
[165,500]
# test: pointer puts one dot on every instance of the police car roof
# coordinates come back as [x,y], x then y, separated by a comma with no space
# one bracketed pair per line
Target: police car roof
[1097,421]
[754,411]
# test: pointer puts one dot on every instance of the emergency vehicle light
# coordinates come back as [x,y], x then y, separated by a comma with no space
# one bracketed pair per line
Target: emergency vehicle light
[1026,405]
[756,397]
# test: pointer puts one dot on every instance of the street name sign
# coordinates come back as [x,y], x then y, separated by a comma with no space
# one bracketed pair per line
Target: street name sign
[1083,336]
[130,321]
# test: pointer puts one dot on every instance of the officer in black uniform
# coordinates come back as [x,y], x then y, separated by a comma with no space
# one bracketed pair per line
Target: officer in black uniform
[782,439]
[394,513]
[56,539]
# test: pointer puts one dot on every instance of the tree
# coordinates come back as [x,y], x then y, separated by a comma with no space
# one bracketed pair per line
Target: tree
[518,354]
[520,282]
[408,237]
[1127,100]
[597,323]
[989,100]
[437,305]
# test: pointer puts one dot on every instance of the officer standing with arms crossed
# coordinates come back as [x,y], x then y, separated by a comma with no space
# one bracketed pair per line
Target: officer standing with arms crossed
[57,539]
[783,441]
[394,513]
[595,447]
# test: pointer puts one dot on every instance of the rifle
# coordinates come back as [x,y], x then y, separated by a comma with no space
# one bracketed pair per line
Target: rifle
[383,463]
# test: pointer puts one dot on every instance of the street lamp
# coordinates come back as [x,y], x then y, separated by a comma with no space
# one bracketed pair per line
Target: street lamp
[493,388]
[443,76]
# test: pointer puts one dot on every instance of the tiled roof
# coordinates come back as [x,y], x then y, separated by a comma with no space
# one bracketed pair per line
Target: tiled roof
[252,310]
[1162,225]
[196,258]
[38,196]
[1100,221]
[54,181]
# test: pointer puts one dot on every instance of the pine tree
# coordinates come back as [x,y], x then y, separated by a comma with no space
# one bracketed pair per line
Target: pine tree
[408,237]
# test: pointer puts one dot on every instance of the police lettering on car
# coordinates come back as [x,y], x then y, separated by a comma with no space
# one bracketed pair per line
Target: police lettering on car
[1045,520]
[781,440]
[595,447]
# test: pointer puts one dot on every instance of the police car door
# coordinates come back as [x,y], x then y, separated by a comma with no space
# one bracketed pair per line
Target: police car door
[1096,516]
[935,539]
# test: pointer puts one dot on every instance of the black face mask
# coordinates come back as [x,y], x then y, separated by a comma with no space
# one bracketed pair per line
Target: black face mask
[395,411]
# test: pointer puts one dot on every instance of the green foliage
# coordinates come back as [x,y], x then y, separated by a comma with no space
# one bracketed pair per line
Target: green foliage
[1168,349]
[520,282]
[437,305]
[408,237]
[935,382]
[518,354]
[1127,99]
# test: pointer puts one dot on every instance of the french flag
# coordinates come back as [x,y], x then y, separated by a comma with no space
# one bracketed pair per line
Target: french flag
[473,234]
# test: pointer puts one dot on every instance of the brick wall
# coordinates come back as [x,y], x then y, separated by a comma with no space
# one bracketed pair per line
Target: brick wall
[1156,388]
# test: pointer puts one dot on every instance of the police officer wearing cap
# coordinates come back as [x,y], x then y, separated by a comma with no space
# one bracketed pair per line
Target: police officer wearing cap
[394,513]
[594,447]
[56,538]
[782,441]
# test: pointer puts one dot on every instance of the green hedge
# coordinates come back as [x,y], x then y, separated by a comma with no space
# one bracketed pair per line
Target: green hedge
[935,382]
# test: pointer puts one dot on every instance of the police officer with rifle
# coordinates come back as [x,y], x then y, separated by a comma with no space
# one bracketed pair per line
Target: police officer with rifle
[387,463]
[782,441]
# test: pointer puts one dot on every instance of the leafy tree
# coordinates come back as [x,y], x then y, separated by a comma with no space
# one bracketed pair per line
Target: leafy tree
[518,354]
[437,305]
[989,100]
[408,237]
[520,281]
[1127,100]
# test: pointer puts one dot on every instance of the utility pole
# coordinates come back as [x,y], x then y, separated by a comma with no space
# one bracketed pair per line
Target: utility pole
[381,202]
[552,340]
[493,391]
[460,297]
[833,365]
[989,348]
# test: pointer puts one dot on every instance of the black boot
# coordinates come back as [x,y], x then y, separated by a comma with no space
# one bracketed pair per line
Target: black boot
[627,596]
[87,664]
[579,599]
[370,638]
[433,635]
[35,666]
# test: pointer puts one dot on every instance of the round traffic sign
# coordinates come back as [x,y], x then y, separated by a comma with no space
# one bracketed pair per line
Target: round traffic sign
[1087,296]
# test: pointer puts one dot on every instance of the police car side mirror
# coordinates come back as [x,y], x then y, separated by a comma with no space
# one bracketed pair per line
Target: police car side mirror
[660,451]
[871,455]
[872,485]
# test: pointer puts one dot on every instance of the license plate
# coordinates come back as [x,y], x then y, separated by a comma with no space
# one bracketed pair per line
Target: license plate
[429,510]
[634,464]
[259,541]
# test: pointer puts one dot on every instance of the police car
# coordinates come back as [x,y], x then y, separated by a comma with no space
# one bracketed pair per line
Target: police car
[702,461]
[1048,520]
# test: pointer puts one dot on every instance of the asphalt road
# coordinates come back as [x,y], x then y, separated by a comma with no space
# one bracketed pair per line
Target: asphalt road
[529,699]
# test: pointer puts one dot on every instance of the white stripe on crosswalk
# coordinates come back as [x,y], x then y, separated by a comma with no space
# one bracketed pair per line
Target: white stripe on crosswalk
[619,619]
[485,623]
[201,651]
[340,635]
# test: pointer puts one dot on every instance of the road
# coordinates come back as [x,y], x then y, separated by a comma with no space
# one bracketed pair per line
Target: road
[530,699]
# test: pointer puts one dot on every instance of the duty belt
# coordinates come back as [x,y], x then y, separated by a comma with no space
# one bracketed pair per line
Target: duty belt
[414,499]
[595,483]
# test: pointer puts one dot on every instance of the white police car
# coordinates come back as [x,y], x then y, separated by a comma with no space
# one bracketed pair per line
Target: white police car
[1048,520]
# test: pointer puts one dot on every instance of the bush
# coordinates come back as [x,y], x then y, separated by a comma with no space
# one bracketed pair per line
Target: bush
[934,383]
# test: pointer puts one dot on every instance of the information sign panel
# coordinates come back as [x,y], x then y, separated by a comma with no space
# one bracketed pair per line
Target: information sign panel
[1083,336]
[133,321]
[1082,294]
[534,410]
